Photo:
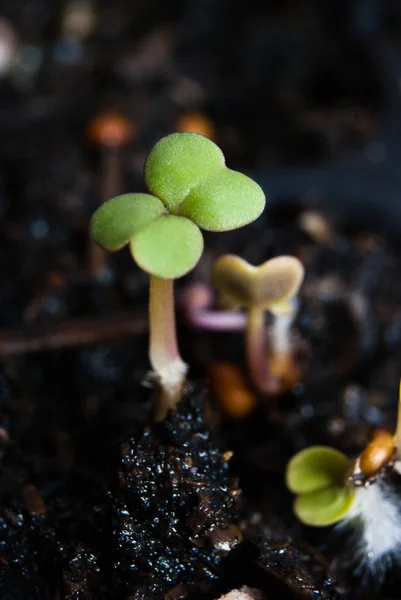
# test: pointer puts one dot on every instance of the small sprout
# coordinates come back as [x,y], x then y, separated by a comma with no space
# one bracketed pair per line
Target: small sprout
[271,286]
[375,514]
[190,188]
[318,475]
[363,495]
[230,390]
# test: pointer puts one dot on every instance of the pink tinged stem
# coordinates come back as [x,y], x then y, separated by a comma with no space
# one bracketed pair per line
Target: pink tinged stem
[257,351]
[196,301]
[218,320]
[168,367]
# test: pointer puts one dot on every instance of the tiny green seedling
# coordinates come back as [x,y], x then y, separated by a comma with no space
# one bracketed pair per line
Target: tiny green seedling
[191,188]
[271,286]
[362,494]
[318,476]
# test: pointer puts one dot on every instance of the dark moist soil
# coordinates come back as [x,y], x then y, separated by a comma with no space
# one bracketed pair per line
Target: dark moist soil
[96,502]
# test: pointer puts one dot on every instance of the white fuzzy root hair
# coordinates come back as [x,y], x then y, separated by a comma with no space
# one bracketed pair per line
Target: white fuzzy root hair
[375,517]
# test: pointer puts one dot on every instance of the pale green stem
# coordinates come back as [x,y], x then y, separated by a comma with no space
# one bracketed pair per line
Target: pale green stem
[256,350]
[167,364]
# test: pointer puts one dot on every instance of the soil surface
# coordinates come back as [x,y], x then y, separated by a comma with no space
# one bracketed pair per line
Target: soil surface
[97,502]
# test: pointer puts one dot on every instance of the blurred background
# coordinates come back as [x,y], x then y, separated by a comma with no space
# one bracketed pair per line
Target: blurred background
[302,94]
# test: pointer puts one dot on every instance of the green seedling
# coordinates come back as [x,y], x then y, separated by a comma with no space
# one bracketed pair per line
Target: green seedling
[319,477]
[191,188]
[361,494]
[326,481]
[270,287]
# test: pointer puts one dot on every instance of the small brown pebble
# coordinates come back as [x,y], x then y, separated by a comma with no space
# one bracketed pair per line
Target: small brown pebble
[233,396]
